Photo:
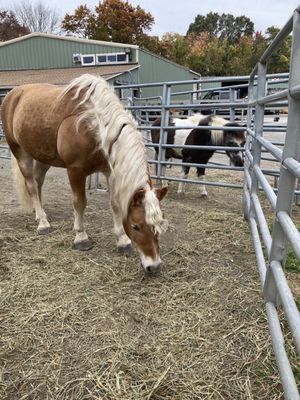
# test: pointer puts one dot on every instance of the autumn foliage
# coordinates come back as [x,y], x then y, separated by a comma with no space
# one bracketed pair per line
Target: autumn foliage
[112,20]
[215,44]
[10,27]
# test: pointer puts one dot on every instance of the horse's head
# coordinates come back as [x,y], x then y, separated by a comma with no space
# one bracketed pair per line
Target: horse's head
[143,225]
[235,139]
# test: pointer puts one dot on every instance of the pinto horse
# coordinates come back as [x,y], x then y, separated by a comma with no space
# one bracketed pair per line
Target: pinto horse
[200,137]
[85,128]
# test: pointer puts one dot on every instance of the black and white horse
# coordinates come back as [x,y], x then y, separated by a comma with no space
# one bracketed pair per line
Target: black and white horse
[200,137]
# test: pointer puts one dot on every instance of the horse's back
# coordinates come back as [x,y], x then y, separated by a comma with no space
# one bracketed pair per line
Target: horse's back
[31,119]
[43,124]
[29,105]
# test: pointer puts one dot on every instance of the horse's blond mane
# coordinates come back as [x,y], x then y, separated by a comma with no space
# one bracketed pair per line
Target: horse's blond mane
[120,141]
[217,136]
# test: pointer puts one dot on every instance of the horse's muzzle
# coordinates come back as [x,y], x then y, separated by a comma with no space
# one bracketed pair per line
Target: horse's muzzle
[152,269]
[151,265]
[237,161]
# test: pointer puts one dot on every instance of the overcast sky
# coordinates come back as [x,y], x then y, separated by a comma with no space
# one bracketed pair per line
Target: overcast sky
[175,15]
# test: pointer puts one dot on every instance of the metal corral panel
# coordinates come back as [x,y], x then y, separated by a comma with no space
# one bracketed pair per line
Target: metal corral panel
[158,69]
[41,52]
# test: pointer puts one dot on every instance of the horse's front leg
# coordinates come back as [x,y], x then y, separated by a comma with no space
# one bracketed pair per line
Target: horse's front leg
[184,175]
[123,242]
[200,175]
[77,181]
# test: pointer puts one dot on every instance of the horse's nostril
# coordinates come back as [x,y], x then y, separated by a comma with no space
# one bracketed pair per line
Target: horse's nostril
[152,269]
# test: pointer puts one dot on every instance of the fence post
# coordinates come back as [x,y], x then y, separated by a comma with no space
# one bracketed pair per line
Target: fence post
[165,112]
[232,98]
[258,129]
[247,162]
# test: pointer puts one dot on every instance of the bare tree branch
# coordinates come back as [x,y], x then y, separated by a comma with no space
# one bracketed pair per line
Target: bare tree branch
[38,17]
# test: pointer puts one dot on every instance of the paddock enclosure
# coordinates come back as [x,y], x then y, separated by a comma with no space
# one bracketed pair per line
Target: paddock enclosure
[221,320]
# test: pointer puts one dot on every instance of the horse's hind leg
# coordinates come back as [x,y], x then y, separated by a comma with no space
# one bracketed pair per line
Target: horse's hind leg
[77,180]
[39,173]
[30,172]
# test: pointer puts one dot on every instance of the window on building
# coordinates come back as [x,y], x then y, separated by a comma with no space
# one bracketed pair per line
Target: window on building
[122,57]
[112,58]
[88,59]
[101,58]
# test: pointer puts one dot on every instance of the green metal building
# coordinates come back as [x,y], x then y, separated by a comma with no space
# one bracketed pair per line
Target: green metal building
[40,57]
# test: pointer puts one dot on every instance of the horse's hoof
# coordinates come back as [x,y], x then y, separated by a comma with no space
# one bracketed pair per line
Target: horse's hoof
[180,194]
[43,230]
[203,195]
[85,245]
[126,250]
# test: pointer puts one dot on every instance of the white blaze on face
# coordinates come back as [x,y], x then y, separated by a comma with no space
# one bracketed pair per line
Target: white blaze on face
[149,264]
[239,142]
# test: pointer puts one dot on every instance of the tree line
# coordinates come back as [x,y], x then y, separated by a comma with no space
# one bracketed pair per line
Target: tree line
[214,44]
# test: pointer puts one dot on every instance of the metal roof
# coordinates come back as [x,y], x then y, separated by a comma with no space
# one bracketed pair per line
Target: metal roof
[60,76]
[66,38]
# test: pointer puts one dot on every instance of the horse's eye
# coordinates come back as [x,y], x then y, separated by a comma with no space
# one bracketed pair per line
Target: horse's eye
[136,227]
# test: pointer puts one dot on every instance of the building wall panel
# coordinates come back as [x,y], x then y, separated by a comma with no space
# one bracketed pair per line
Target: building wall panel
[42,52]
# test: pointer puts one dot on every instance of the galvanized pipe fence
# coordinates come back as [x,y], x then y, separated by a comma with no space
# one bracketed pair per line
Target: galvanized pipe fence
[271,245]
[161,106]
[4,149]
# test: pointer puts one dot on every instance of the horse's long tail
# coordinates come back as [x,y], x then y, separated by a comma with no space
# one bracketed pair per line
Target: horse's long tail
[21,189]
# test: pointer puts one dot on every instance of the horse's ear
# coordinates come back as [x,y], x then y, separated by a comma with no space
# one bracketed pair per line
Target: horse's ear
[138,197]
[161,192]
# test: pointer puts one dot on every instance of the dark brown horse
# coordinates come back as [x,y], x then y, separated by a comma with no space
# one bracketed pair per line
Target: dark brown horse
[84,128]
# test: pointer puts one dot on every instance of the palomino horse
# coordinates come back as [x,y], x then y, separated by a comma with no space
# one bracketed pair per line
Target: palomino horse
[197,137]
[84,128]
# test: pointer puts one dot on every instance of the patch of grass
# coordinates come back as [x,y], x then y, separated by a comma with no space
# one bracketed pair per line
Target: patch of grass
[292,262]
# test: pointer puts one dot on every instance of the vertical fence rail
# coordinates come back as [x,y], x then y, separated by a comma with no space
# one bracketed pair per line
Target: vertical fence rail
[165,111]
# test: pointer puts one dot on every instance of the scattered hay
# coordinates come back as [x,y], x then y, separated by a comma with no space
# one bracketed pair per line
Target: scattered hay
[93,326]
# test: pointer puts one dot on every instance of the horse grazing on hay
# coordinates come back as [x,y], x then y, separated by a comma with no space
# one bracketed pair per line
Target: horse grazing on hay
[200,137]
[84,128]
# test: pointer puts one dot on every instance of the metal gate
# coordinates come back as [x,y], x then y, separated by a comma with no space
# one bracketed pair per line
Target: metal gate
[271,268]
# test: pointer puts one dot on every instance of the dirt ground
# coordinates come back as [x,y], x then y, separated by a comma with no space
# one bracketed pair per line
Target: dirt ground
[92,326]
